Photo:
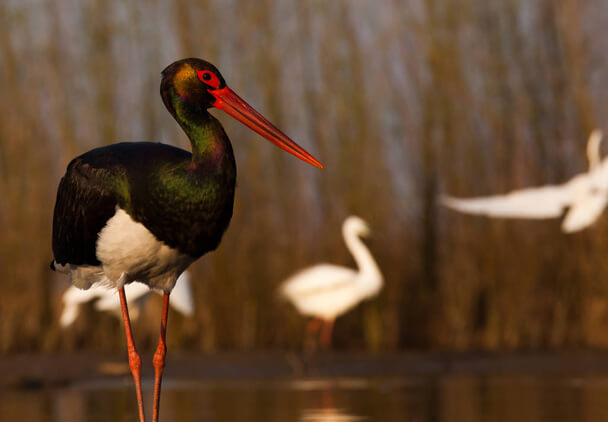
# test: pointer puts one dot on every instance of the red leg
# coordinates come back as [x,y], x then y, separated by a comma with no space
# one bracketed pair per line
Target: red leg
[328,327]
[313,325]
[134,359]
[159,357]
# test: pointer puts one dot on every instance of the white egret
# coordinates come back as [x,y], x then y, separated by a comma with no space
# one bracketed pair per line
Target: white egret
[584,196]
[107,299]
[326,291]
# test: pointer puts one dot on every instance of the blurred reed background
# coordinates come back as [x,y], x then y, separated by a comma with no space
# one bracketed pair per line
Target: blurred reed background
[400,99]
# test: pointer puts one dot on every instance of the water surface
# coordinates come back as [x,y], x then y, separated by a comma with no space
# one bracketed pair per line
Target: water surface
[449,398]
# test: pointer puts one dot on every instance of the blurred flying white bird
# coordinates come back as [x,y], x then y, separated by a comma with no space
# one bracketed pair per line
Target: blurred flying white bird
[326,291]
[107,299]
[585,196]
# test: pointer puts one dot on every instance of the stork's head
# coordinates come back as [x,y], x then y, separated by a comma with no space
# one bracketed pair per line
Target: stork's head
[200,86]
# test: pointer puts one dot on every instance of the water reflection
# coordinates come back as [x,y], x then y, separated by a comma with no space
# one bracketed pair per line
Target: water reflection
[328,415]
[447,398]
[327,412]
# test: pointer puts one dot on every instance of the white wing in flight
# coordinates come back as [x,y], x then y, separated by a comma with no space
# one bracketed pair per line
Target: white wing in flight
[546,202]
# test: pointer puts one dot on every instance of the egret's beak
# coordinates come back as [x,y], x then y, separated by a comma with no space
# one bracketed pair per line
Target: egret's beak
[228,101]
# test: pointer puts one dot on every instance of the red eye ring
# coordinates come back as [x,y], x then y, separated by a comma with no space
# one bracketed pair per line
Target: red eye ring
[209,78]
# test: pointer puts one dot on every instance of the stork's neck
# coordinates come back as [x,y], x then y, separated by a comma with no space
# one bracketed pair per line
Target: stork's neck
[209,141]
[366,263]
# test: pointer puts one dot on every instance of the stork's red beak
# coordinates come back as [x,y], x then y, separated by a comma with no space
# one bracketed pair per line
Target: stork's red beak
[228,101]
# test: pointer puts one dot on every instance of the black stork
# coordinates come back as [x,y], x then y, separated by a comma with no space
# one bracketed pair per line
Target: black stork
[145,211]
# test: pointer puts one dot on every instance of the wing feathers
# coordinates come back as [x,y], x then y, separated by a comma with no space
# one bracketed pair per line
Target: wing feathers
[84,204]
[545,202]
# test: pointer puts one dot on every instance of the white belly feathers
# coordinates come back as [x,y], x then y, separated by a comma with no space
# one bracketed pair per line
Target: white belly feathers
[128,252]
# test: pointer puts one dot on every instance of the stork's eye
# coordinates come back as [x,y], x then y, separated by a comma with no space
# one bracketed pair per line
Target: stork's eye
[208,78]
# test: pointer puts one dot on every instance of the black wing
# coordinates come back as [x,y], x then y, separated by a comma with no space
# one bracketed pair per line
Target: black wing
[84,204]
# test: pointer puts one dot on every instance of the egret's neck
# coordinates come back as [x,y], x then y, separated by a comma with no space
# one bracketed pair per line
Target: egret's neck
[593,149]
[363,258]
[208,139]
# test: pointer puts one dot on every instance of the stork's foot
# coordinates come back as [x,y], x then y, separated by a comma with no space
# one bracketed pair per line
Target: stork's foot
[135,366]
[159,358]
[134,359]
